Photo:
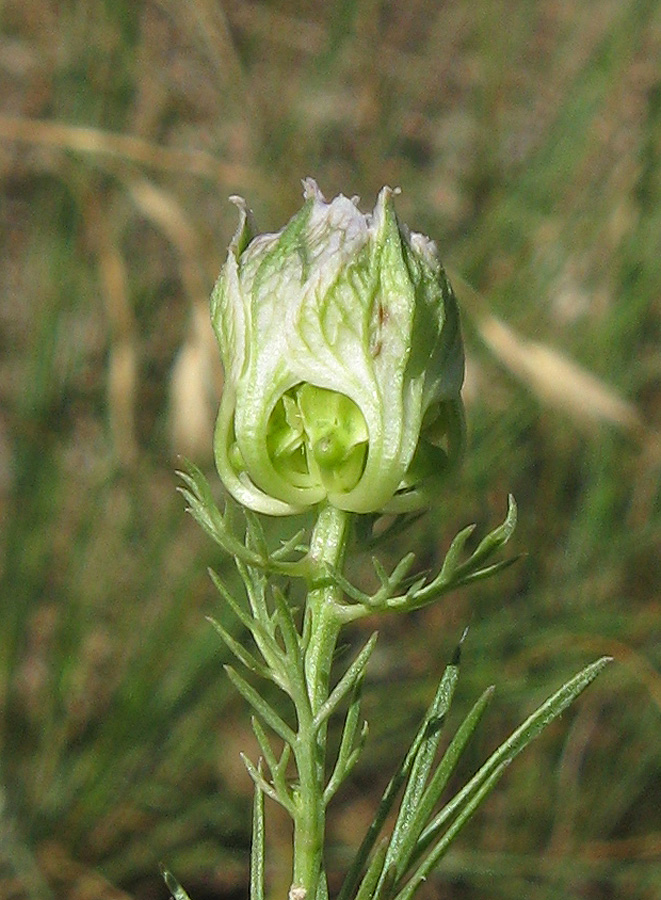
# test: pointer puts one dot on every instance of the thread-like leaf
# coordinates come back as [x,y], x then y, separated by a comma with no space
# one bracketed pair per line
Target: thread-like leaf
[422,765]
[424,809]
[353,674]
[236,608]
[255,536]
[401,570]
[285,622]
[385,805]
[454,574]
[486,572]
[264,786]
[496,538]
[261,707]
[276,767]
[518,740]
[471,796]
[369,539]
[291,545]
[373,873]
[257,847]
[178,893]
[345,753]
[255,585]
[264,744]
[266,643]
[354,756]
[251,624]
[202,506]
[239,650]
[431,861]
[455,550]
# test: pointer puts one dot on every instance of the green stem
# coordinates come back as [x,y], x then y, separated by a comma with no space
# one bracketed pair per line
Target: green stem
[327,550]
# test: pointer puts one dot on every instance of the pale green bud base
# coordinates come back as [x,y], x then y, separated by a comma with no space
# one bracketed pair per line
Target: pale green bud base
[297,657]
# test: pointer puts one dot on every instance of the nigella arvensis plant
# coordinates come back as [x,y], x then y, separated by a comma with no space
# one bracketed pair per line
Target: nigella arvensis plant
[343,360]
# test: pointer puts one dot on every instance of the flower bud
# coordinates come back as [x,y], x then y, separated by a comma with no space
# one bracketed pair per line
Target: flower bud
[343,361]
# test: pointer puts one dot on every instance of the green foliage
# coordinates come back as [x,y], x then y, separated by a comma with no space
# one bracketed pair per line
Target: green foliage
[299,663]
[404,868]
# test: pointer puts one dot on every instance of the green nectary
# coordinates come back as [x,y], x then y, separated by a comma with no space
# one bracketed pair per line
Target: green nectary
[317,438]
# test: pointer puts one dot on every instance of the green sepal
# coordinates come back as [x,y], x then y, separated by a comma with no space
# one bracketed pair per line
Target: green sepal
[345,305]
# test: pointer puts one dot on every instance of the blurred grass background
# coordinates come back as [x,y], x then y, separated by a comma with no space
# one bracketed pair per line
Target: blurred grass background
[526,137]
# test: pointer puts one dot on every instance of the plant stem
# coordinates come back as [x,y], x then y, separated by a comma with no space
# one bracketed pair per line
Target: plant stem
[327,550]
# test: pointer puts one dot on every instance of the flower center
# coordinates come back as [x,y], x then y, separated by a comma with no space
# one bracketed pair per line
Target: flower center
[317,437]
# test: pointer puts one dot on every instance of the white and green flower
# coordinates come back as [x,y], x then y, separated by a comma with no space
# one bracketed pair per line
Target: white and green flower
[343,361]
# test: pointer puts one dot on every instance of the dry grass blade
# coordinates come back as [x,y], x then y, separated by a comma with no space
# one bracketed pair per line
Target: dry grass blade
[122,362]
[131,149]
[122,377]
[162,209]
[196,379]
[74,879]
[214,33]
[195,385]
[556,380]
